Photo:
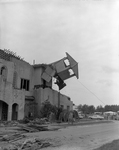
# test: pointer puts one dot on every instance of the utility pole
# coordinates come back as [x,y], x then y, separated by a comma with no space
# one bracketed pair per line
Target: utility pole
[59,99]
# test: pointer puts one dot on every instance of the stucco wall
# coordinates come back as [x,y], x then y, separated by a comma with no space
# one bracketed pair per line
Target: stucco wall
[6,86]
[10,69]
[19,98]
[10,95]
[38,71]
[24,70]
[42,95]
[64,100]
[37,95]
[37,76]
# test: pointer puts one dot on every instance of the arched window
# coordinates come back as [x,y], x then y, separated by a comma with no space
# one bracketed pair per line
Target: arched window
[3,72]
[15,80]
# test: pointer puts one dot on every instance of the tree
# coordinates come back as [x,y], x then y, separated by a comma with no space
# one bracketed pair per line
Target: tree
[47,108]
[79,107]
[85,109]
[108,108]
[100,108]
[91,109]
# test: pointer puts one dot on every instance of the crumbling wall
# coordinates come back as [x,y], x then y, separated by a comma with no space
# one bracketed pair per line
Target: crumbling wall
[38,81]
[30,108]
[8,94]
[10,69]
[42,95]
[37,76]
[66,102]
[37,95]
[47,94]
[25,71]
[4,55]
[19,98]
[6,85]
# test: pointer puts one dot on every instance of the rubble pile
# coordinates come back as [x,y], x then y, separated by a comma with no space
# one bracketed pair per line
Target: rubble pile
[38,127]
[28,144]
[39,121]
[8,123]
[35,144]
[12,134]
[34,120]
[28,125]
[11,137]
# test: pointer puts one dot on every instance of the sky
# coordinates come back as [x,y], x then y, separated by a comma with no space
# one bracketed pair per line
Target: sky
[88,30]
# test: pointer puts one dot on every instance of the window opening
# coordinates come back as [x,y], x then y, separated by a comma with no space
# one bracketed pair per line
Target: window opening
[3,72]
[25,84]
[66,61]
[71,72]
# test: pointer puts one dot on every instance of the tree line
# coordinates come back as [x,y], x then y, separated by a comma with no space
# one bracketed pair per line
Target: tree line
[90,109]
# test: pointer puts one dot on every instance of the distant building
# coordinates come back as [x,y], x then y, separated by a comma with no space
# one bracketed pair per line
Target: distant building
[22,90]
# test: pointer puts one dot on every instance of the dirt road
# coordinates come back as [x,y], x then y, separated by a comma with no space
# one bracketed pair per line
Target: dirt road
[80,137]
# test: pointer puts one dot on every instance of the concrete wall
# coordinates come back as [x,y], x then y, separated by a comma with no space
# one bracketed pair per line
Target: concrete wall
[42,95]
[38,71]
[37,95]
[19,98]
[10,95]
[25,71]
[10,69]
[64,100]
[6,86]
[37,76]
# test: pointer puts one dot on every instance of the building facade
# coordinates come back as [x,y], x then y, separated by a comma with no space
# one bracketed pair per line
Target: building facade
[22,90]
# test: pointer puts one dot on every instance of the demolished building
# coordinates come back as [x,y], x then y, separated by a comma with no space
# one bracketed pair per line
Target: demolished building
[24,87]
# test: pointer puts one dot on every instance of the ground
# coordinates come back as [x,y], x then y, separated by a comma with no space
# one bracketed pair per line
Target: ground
[110,146]
[82,135]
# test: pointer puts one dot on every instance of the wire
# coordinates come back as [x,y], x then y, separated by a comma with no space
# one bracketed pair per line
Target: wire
[92,93]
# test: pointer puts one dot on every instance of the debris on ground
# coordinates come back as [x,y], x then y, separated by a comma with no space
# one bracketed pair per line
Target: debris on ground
[33,127]
[8,123]
[28,144]
[39,121]
[35,144]
[27,125]
[12,134]
[12,137]
[27,129]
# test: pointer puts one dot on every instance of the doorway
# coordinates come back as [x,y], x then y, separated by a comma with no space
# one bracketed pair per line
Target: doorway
[14,111]
[3,111]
